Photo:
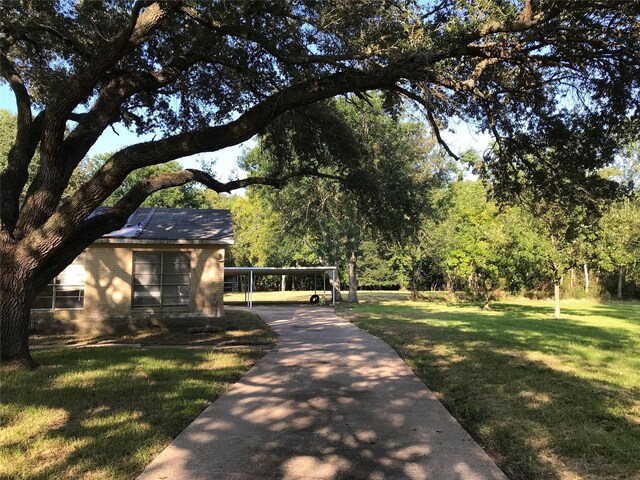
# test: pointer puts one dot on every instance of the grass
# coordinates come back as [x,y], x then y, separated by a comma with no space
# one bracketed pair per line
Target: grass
[236,327]
[105,413]
[300,296]
[549,399]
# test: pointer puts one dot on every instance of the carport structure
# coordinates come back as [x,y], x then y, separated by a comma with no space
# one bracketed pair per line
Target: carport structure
[252,272]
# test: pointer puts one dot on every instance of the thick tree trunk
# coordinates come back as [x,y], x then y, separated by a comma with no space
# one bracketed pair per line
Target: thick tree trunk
[620,282]
[586,278]
[353,281]
[556,296]
[336,286]
[15,314]
[572,280]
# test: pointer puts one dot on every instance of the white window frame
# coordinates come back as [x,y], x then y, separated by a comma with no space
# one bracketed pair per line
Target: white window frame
[54,285]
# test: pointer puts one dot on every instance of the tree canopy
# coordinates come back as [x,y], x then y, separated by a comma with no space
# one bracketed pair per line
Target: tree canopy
[205,75]
[375,174]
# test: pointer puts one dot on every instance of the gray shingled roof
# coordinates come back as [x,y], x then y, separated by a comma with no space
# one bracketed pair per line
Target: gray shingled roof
[174,225]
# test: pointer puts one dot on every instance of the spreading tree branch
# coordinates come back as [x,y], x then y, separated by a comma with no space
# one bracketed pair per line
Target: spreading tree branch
[13,179]
[244,32]
[44,192]
[432,120]
[113,218]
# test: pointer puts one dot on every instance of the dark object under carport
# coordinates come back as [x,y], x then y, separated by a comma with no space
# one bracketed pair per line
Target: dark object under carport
[253,271]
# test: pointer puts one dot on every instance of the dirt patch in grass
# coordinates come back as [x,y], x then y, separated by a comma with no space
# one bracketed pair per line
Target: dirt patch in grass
[236,327]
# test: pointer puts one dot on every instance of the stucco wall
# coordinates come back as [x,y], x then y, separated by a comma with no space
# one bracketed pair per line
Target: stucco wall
[108,292]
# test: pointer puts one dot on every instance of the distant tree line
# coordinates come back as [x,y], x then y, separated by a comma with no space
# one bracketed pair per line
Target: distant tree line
[467,243]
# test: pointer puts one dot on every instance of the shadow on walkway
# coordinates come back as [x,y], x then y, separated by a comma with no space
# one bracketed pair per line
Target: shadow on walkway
[328,402]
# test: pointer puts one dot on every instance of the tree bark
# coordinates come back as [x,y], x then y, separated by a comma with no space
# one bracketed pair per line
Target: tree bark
[15,314]
[336,287]
[586,278]
[486,295]
[620,282]
[414,280]
[353,281]
[556,295]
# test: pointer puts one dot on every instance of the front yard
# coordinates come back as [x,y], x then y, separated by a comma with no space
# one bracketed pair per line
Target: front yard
[104,413]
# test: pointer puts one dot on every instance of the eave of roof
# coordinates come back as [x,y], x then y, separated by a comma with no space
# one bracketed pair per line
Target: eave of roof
[129,241]
[174,226]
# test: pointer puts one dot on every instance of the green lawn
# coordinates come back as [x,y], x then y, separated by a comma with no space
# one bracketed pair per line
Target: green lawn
[105,413]
[550,399]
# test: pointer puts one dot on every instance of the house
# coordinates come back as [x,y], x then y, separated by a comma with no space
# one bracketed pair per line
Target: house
[165,265]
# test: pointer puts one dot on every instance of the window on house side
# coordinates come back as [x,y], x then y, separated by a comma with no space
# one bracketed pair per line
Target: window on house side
[66,291]
[161,279]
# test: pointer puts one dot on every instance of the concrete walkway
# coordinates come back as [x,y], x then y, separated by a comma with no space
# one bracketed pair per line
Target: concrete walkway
[328,402]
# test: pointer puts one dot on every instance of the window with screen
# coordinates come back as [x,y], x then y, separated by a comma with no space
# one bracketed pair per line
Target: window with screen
[66,291]
[161,279]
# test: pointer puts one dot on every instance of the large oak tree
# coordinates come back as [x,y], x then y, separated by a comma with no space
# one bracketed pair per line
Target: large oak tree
[211,74]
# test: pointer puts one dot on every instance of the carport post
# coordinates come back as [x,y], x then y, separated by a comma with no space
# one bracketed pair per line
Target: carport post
[333,288]
[250,288]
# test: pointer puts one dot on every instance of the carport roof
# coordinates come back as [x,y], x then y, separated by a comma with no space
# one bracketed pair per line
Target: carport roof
[229,271]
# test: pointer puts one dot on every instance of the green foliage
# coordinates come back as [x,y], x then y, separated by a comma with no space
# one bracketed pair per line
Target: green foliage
[377,268]
[462,241]
[620,235]
[185,196]
[258,235]
[471,250]
[524,253]
[618,249]
[383,165]
[8,128]
[558,163]
[7,136]
[375,173]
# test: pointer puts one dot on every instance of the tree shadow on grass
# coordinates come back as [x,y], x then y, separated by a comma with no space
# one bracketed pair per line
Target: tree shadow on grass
[114,420]
[629,311]
[542,420]
[517,328]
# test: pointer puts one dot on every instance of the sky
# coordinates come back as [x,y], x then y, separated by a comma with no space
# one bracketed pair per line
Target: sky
[459,137]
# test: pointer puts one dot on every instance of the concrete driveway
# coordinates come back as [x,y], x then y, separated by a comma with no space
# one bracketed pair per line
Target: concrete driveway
[329,401]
